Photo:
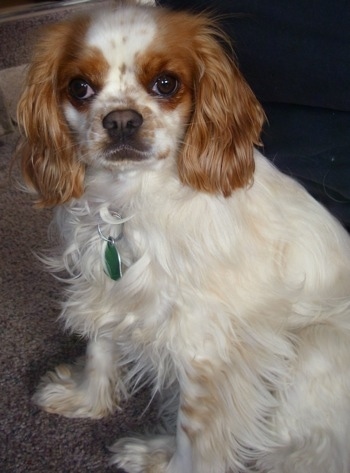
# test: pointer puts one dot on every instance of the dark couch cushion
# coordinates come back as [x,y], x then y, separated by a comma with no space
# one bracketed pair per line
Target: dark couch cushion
[313,146]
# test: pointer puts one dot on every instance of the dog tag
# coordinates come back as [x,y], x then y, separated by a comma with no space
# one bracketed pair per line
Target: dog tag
[113,261]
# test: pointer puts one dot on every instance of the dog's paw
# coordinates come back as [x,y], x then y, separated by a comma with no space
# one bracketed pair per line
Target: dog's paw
[66,392]
[147,455]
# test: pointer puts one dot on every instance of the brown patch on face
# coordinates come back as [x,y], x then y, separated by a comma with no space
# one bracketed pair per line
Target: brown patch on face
[166,55]
[88,64]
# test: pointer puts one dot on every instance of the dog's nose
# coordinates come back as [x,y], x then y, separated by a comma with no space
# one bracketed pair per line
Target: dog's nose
[122,123]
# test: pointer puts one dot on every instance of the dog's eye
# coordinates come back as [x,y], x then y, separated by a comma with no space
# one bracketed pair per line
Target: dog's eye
[165,85]
[80,89]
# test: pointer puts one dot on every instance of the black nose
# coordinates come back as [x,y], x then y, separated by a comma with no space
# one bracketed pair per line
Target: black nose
[122,123]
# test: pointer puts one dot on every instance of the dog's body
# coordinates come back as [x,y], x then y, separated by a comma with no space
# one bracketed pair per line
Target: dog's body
[234,299]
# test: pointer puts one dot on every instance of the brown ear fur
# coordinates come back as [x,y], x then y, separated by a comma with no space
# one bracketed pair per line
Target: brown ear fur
[46,149]
[217,156]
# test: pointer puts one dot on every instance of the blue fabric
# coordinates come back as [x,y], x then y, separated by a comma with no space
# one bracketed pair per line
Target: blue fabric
[290,51]
[313,146]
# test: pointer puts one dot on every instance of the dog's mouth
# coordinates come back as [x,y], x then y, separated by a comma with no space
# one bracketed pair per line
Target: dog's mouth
[125,152]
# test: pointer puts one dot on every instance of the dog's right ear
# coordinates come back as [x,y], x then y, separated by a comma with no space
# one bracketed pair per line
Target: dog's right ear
[46,148]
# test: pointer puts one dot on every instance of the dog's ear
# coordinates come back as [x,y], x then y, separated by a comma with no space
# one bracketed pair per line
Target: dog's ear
[46,149]
[217,155]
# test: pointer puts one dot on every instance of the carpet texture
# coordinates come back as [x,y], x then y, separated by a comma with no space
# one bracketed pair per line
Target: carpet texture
[31,339]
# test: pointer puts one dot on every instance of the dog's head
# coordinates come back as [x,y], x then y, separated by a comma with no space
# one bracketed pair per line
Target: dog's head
[129,87]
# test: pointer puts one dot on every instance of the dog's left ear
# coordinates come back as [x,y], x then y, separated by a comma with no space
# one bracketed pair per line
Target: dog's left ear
[217,156]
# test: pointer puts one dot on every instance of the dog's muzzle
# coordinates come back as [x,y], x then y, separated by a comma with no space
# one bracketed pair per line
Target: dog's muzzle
[123,128]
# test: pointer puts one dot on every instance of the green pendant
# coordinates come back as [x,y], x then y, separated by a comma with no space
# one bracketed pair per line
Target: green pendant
[113,261]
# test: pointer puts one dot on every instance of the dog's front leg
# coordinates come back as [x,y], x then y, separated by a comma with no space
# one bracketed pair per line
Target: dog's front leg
[201,444]
[86,389]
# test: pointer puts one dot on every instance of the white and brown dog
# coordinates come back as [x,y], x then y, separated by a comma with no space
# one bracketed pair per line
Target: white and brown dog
[192,261]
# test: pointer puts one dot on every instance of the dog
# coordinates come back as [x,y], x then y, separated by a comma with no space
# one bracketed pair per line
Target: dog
[192,263]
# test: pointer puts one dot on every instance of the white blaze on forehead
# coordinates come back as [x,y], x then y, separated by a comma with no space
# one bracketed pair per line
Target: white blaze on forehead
[122,34]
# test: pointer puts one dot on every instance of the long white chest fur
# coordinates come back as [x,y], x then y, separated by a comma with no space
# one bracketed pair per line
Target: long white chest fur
[199,267]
